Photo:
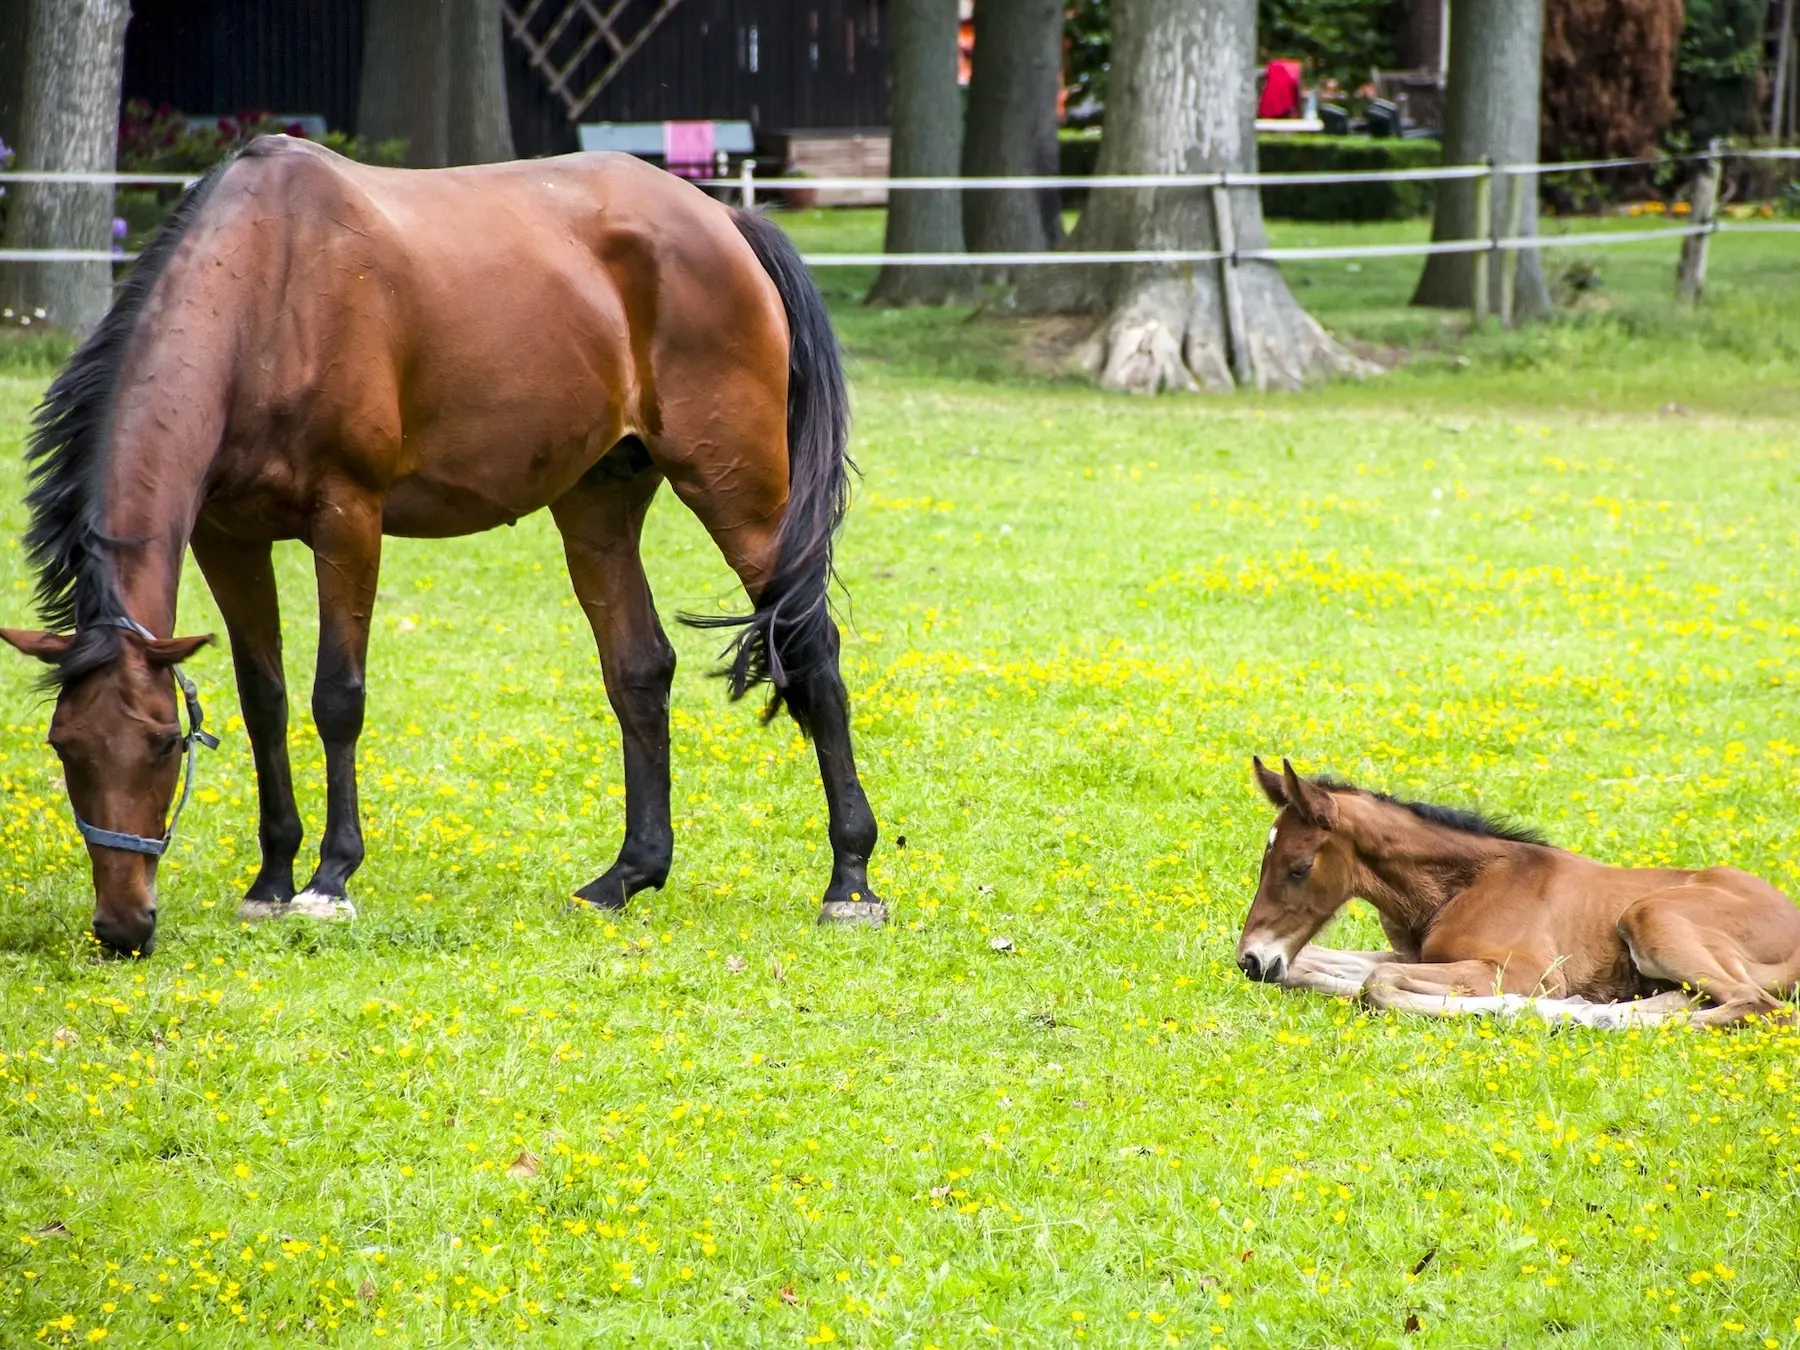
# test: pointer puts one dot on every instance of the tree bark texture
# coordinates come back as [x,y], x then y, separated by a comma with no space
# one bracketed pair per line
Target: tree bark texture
[1181,99]
[69,122]
[405,78]
[479,127]
[926,129]
[1011,125]
[1490,112]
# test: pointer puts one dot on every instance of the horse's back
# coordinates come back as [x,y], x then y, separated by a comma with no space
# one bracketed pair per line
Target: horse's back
[475,339]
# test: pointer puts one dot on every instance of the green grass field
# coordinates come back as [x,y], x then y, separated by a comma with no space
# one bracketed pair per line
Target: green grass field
[1499,576]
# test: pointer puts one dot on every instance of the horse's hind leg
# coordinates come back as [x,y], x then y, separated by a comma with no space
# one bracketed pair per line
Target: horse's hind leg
[601,519]
[241,577]
[1730,947]
[742,510]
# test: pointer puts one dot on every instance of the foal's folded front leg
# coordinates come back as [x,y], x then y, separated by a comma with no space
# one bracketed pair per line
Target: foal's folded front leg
[1325,970]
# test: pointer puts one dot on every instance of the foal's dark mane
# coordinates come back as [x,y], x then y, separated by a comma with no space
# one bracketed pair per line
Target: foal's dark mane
[66,462]
[1450,817]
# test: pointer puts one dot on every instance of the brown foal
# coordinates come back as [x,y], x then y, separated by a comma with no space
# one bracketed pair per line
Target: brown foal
[1487,918]
[319,350]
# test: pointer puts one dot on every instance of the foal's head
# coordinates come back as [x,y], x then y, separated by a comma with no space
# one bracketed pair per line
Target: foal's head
[1308,870]
[117,730]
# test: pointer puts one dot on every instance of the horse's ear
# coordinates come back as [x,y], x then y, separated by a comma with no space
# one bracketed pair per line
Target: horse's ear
[49,648]
[1270,782]
[1311,802]
[173,651]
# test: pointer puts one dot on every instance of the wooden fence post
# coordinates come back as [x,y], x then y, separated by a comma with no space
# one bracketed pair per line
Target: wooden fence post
[1478,262]
[1241,369]
[1690,273]
[1512,212]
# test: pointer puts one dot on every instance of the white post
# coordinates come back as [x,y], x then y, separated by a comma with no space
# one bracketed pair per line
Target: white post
[747,184]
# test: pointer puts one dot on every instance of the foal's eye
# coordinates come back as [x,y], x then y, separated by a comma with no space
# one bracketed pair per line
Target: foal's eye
[1299,870]
[168,745]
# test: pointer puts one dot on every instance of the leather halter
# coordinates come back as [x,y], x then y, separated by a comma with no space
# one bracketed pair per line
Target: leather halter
[191,740]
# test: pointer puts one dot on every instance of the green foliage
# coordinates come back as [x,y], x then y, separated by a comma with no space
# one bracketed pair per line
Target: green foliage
[1346,201]
[1716,70]
[160,140]
[1341,39]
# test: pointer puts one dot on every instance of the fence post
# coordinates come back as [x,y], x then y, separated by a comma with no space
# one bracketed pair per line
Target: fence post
[1478,262]
[1690,273]
[1513,212]
[747,184]
[1228,284]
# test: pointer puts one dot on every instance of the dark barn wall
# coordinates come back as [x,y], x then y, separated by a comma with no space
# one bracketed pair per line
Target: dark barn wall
[230,56]
[819,63]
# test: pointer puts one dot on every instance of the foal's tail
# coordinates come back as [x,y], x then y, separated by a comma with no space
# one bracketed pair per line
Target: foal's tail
[791,634]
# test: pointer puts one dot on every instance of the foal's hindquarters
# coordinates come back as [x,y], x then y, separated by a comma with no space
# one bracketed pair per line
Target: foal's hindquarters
[1723,933]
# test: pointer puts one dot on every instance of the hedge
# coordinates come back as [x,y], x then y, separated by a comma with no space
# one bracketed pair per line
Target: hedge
[1079,151]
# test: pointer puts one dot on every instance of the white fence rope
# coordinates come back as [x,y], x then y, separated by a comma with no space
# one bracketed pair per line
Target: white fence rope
[747,184]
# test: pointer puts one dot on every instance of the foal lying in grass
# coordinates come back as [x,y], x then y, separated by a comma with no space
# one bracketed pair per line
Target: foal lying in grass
[1487,918]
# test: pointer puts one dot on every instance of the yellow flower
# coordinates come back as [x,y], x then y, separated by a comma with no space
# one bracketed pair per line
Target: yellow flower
[97,1334]
[823,1336]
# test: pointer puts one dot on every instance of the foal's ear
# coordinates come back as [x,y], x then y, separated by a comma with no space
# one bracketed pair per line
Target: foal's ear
[173,651]
[1311,803]
[49,648]
[1270,783]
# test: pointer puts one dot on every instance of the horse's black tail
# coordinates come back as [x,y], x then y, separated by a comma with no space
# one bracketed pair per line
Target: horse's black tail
[791,634]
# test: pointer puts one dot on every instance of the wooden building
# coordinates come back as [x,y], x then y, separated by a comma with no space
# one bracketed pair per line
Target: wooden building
[781,65]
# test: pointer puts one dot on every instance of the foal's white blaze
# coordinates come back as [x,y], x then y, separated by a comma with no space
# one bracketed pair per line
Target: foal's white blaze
[1273,831]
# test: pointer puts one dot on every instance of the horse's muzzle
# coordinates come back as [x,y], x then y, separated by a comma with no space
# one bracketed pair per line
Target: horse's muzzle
[1268,971]
[133,936]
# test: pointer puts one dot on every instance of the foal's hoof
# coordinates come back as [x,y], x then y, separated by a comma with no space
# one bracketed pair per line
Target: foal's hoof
[864,911]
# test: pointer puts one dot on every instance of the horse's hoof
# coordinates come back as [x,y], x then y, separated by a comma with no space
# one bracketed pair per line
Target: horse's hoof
[871,912]
[255,911]
[325,908]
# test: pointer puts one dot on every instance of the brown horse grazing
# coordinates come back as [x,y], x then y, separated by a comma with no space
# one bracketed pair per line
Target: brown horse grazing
[318,350]
[1488,918]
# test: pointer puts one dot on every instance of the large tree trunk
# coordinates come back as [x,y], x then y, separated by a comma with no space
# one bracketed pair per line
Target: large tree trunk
[1182,99]
[69,122]
[926,128]
[405,78]
[480,125]
[1011,126]
[1491,111]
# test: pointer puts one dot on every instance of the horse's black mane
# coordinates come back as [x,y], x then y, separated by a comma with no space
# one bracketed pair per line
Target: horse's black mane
[66,460]
[1450,817]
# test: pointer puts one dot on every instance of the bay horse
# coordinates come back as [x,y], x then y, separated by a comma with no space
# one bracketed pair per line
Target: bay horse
[1486,917]
[320,350]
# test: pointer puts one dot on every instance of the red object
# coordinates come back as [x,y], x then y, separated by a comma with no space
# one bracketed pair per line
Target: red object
[1281,91]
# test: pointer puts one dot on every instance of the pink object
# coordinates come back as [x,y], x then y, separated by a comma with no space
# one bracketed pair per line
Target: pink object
[1281,91]
[688,148]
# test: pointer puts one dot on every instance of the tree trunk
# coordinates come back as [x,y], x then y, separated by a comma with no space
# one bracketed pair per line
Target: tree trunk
[479,127]
[1490,112]
[926,126]
[75,59]
[1011,125]
[15,26]
[1182,99]
[405,78]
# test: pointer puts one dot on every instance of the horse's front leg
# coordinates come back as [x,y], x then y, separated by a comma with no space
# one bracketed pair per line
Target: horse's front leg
[1325,970]
[346,545]
[241,576]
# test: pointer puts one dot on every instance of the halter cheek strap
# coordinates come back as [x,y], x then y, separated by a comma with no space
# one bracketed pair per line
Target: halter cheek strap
[191,740]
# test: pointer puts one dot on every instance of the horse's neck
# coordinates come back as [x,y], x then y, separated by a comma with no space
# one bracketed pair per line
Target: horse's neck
[1410,868]
[167,423]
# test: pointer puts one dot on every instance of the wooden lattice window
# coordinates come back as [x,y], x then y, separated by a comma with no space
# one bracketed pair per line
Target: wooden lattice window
[580,46]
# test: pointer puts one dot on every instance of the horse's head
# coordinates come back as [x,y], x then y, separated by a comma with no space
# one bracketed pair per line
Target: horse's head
[1307,870]
[117,730]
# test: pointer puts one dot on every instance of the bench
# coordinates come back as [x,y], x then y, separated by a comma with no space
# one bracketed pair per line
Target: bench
[695,149]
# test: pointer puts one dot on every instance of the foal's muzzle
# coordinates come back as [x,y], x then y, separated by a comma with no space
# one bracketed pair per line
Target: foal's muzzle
[1253,965]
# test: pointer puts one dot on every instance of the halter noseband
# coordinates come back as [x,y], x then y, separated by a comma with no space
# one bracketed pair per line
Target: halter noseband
[193,738]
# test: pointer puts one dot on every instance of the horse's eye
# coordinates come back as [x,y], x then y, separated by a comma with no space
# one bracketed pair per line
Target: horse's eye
[168,744]
[1299,870]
